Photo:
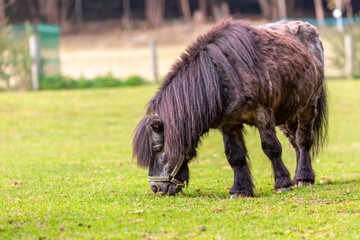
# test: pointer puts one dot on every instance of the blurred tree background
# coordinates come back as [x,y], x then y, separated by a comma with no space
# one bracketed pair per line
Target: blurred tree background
[154,12]
[107,40]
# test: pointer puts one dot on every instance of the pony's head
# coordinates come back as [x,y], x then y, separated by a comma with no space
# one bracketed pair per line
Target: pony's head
[150,150]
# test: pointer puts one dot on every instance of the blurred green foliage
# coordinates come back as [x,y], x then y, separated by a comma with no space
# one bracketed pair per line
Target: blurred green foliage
[15,59]
[338,58]
[106,81]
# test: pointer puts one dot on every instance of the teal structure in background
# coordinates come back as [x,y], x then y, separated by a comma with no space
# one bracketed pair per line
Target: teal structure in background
[327,21]
[49,39]
[49,45]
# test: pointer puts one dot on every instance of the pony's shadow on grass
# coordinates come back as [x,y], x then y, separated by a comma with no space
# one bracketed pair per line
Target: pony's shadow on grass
[194,194]
[221,195]
[204,195]
[324,186]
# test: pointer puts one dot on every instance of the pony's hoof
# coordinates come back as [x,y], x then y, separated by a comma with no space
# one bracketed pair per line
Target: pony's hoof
[285,189]
[303,183]
[238,195]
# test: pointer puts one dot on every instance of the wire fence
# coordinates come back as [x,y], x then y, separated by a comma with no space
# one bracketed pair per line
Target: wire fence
[342,50]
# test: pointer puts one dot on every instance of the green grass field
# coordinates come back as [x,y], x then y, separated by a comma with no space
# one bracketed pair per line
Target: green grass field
[66,173]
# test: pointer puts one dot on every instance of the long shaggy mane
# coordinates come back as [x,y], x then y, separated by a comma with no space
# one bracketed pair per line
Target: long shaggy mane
[142,143]
[190,99]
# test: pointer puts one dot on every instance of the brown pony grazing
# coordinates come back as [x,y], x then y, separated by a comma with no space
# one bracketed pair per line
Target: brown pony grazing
[266,76]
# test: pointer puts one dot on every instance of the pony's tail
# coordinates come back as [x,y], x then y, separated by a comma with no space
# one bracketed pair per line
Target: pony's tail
[321,122]
[142,143]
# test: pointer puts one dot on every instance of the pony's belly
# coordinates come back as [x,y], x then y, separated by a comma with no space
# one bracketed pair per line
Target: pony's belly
[283,117]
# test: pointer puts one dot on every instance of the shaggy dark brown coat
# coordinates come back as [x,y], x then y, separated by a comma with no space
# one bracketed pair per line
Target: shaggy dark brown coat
[266,76]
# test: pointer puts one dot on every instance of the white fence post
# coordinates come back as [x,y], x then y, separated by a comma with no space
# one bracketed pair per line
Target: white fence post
[349,55]
[282,8]
[154,59]
[34,47]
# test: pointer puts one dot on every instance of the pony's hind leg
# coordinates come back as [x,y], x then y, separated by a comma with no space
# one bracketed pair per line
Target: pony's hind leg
[236,154]
[304,174]
[289,130]
[272,149]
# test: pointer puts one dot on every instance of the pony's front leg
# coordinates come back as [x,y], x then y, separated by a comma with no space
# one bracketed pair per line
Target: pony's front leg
[272,149]
[236,154]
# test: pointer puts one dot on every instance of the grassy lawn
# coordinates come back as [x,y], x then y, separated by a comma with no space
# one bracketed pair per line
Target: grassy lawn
[66,173]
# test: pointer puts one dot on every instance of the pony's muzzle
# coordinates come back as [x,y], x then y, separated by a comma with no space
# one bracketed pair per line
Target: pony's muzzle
[165,187]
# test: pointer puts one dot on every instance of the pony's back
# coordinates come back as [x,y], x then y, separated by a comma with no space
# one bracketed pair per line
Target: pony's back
[307,35]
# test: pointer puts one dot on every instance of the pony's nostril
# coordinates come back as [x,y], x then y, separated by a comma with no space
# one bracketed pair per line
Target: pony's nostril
[158,149]
[155,188]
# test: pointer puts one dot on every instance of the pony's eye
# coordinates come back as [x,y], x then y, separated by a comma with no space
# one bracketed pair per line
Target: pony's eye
[157,127]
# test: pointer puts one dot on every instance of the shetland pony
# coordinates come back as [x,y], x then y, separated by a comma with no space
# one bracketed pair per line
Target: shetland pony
[236,74]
